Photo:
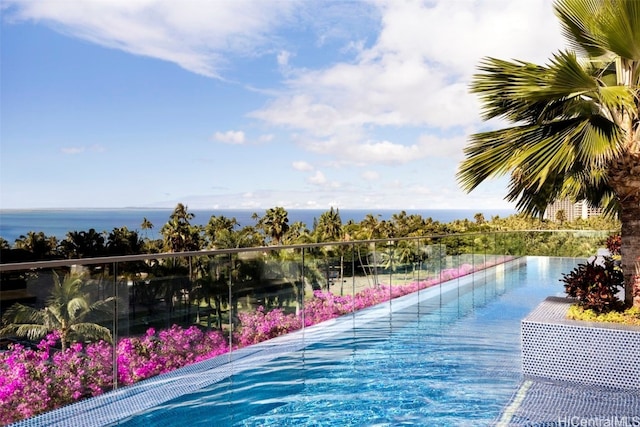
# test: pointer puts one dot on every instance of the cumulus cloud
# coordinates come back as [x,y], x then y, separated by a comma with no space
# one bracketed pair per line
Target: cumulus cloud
[415,74]
[230,137]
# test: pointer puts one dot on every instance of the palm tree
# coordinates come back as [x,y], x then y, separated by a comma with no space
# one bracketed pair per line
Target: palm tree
[370,227]
[122,241]
[146,225]
[297,232]
[329,226]
[83,244]
[217,226]
[40,245]
[329,229]
[276,223]
[575,123]
[67,312]
[179,234]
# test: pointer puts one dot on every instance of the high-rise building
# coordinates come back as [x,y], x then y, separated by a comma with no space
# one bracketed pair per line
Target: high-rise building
[571,210]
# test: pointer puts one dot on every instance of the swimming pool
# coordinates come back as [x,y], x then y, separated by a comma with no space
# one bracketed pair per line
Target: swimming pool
[448,355]
[438,358]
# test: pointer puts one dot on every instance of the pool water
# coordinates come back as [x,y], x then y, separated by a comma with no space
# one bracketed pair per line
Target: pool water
[438,359]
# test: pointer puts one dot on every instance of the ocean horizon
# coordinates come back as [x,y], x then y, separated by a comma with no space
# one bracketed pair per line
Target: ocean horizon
[58,222]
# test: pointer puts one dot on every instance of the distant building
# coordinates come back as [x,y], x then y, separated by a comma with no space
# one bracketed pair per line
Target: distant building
[571,210]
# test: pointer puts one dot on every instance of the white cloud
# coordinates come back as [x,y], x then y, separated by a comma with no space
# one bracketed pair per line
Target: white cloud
[72,150]
[370,175]
[81,149]
[318,178]
[196,35]
[301,165]
[391,95]
[416,74]
[230,137]
[265,138]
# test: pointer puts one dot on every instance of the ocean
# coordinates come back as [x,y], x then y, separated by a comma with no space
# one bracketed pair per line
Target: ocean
[58,222]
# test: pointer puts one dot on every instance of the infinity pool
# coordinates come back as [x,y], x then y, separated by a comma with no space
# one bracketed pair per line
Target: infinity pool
[446,356]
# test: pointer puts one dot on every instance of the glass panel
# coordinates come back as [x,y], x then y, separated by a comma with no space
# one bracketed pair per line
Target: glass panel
[57,337]
[266,294]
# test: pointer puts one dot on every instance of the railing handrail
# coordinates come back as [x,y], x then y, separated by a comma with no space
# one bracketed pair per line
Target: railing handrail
[7,267]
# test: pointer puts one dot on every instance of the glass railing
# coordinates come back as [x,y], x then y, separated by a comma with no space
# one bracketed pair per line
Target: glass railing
[78,328]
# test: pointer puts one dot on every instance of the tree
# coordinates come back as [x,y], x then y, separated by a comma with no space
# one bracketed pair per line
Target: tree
[574,123]
[217,226]
[40,245]
[67,311]
[561,216]
[276,223]
[122,241]
[146,225]
[370,227]
[329,226]
[179,234]
[83,244]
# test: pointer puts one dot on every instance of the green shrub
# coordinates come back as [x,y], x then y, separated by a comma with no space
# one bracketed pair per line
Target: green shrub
[630,316]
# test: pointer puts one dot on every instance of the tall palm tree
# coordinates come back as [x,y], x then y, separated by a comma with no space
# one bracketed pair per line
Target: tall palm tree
[179,234]
[217,225]
[329,226]
[276,223]
[329,229]
[146,225]
[67,311]
[370,227]
[575,122]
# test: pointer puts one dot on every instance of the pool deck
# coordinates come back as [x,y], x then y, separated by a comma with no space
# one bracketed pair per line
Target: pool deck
[576,373]
[549,403]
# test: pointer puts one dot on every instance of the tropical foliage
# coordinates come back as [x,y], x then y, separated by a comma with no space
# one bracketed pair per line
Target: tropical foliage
[179,234]
[595,285]
[68,312]
[575,122]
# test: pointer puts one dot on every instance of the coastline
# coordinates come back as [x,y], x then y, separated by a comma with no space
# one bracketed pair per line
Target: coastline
[58,222]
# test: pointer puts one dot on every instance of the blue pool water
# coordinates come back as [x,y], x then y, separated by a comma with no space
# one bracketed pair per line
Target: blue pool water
[448,356]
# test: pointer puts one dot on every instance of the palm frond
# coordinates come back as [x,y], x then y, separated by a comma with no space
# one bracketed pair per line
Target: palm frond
[601,27]
[19,313]
[90,331]
[77,307]
[578,20]
[620,28]
[617,97]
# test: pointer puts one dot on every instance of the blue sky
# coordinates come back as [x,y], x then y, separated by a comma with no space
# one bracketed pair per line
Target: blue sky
[251,104]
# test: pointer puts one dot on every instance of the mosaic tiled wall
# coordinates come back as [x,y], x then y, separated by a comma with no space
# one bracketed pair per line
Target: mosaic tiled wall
[560,349]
